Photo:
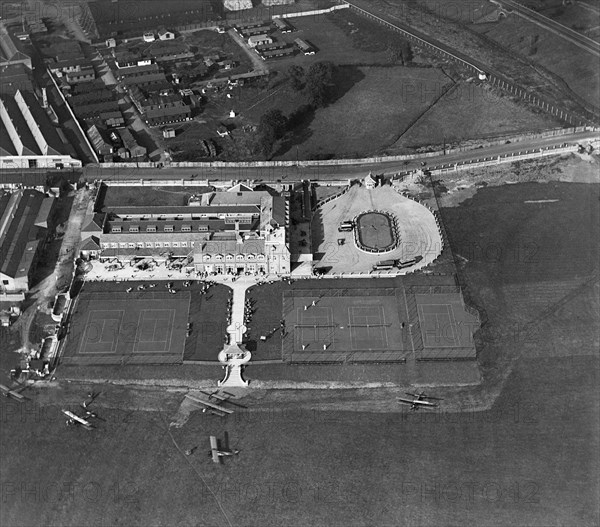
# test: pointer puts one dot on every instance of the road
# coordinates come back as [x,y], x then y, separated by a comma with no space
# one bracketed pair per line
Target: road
[581,41]
[333,172]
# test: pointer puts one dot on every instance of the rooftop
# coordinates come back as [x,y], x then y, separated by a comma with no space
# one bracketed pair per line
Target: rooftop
[19,213]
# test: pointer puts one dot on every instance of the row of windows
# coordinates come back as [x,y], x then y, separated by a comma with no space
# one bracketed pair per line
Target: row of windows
[148,245]
[160,245]
[152,228]
[219,257]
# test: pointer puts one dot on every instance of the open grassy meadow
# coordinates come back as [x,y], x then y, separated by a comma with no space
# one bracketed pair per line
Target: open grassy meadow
[551,52]
[468,112]
[378,106]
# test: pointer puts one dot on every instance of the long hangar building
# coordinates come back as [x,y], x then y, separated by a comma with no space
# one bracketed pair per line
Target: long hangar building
[237,231]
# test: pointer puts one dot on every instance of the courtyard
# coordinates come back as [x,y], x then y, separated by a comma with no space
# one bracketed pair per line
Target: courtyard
[337,252]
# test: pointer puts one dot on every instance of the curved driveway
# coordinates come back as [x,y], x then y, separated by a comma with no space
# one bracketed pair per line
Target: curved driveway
[419,234]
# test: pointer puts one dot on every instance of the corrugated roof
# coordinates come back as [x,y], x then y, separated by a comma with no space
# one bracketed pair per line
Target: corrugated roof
[30,147]
[6,145]
[167,112]
[55,145]
[18,234]
[43,214]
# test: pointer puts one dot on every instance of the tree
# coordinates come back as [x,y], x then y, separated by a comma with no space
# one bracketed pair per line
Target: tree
[319,82]
[273,121]
[272,126]
[296,75]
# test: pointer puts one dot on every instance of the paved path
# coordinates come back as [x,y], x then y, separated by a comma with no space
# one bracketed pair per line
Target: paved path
[257,62]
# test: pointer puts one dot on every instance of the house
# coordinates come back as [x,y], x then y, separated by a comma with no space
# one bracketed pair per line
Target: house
[84,75]
[170,114]
[149,36]
[276,53]
[130,144]
[112,119]
[259,40]
[100,140]
[222,131]
[168,133]
[226,64]
[164,34]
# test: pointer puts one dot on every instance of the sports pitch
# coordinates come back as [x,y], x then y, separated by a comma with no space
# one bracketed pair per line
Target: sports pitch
[124,328]
[359,325]
[377,325]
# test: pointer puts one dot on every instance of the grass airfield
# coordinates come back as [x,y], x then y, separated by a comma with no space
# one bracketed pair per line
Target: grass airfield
[529,460]
[298,467]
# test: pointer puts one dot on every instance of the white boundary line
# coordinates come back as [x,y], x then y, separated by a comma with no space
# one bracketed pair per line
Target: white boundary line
[329,311]
[171,321]
[380,316]
[115,339]
[451,320]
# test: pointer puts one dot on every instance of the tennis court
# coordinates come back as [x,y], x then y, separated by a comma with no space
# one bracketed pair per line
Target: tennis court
[345,325]
[118,328]
[446,326]
[438,325]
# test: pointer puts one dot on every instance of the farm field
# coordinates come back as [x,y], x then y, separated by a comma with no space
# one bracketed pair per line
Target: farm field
[471,112]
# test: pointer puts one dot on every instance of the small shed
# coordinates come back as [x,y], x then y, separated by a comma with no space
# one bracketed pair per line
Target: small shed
[165,34]
[168,133]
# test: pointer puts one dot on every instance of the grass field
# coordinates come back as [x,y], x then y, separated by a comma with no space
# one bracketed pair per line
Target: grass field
[376,230]
[495,468]
[380,104]
[471,112]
